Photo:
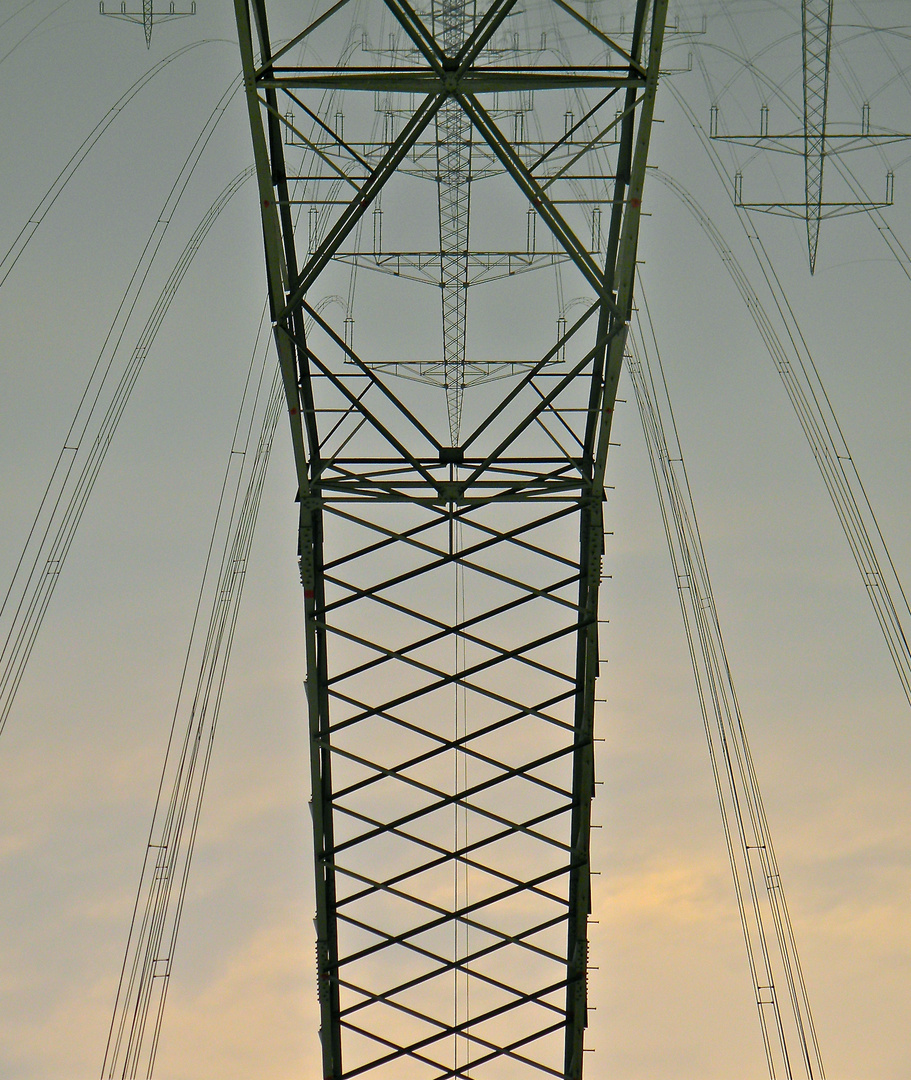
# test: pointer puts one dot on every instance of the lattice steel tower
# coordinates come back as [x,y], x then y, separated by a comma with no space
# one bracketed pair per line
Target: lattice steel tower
[451,542]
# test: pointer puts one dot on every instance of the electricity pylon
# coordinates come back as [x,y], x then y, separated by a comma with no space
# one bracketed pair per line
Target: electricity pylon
[147,15]
[450,544]
[815,141]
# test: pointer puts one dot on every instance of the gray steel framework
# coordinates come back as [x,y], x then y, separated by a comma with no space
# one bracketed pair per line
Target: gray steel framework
[451,569]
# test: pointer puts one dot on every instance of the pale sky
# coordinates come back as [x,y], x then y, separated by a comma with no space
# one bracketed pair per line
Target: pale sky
[82,750]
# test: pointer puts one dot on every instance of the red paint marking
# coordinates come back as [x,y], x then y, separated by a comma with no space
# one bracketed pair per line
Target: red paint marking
[265,202]
[635,202]
[308,594]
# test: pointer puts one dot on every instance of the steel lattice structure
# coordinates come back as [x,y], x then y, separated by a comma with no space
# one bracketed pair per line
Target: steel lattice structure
[451,543]
[816,24]
[147,15]
[815,141]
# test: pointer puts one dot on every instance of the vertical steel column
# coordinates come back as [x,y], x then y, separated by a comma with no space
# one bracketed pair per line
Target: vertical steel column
[453,152]
[619,272]
[816,24]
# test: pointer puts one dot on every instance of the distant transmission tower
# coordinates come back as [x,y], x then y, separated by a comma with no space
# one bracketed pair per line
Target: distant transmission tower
[451,485]
[148,15]
[816,140]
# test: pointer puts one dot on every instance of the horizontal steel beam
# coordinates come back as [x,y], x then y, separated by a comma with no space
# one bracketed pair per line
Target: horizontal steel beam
[421,81]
